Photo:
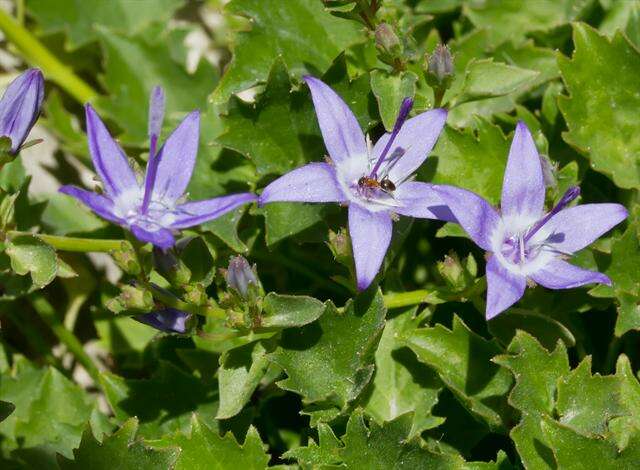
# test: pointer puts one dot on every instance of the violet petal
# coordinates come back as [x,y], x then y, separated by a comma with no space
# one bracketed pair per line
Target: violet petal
[559,274]
[416,138]
[315,182]
[418,199]
[523,184]
[576,227]
[96,202]
[474,214]
[341,132]
[196,212]
[109,160]
[504,288]
[370,234]
[176,159]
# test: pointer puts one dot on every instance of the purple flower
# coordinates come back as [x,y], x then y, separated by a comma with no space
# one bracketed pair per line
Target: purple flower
[20,107]
[169,320]
[374,181]
[524,242]
[151,210]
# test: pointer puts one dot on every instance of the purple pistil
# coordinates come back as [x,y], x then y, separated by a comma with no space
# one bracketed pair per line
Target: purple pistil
[568,196]
[405,107]
[156,115]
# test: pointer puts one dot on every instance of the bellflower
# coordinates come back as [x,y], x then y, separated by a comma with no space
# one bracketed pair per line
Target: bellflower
[20,107]
[524,242]
[375,182]
[151,210]
[169,320]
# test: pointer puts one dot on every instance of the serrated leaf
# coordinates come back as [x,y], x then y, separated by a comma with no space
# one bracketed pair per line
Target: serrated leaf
[515,18]
[462,359]
[389,91]
[536,372]
[50,411]
[307,37]
[401,384]
[240,372]
[390,447]
[574,451]
[78,19]
[120,450]
[600,78]
[203,448]
[133,66]
[337,348]
[30,255]
[587,403]
[325,452]
[175,396]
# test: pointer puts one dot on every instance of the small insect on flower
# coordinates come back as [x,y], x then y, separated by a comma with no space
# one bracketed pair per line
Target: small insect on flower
[526,245]
[374,181]
[153,210]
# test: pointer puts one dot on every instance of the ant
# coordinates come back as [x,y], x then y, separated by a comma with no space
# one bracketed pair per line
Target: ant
[385,184]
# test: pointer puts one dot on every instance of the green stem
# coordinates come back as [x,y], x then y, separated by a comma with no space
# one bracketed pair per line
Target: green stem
[169,300]
[48,315]
[73,243]
[415,297]
[35,53]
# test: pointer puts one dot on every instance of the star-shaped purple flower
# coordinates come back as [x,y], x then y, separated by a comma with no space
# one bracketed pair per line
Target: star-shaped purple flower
[20,107]
[524,242]
[151,210]
[374,181]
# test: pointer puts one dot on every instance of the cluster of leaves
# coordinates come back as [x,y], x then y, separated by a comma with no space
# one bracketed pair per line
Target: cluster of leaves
[311,375]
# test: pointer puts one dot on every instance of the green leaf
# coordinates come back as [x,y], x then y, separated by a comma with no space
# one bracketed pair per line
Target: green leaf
[587,403]
[573,451]
[623,16]
[465,368]
[488,79]
[612,141]
[306,36]
[50,410]
[536,372]
[390,447]
[389,91]
[325,452]
[204,449]
[279,132]
[289,311]
[401,384]
[133,66]
[6,409]
[337,348]
[30,255]
[286,219]
[175,396]
[79,19]
[240,372]
[121,450]
[477,161]
[63,215]
[515,18]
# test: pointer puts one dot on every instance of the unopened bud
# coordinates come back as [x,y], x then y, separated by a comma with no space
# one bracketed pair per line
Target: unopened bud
[171,267]
[195,294]
[240,276]
[133,298]
[387,40]
[126,259]
[169,320]
[440,66]
[452,271]
[20,107]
